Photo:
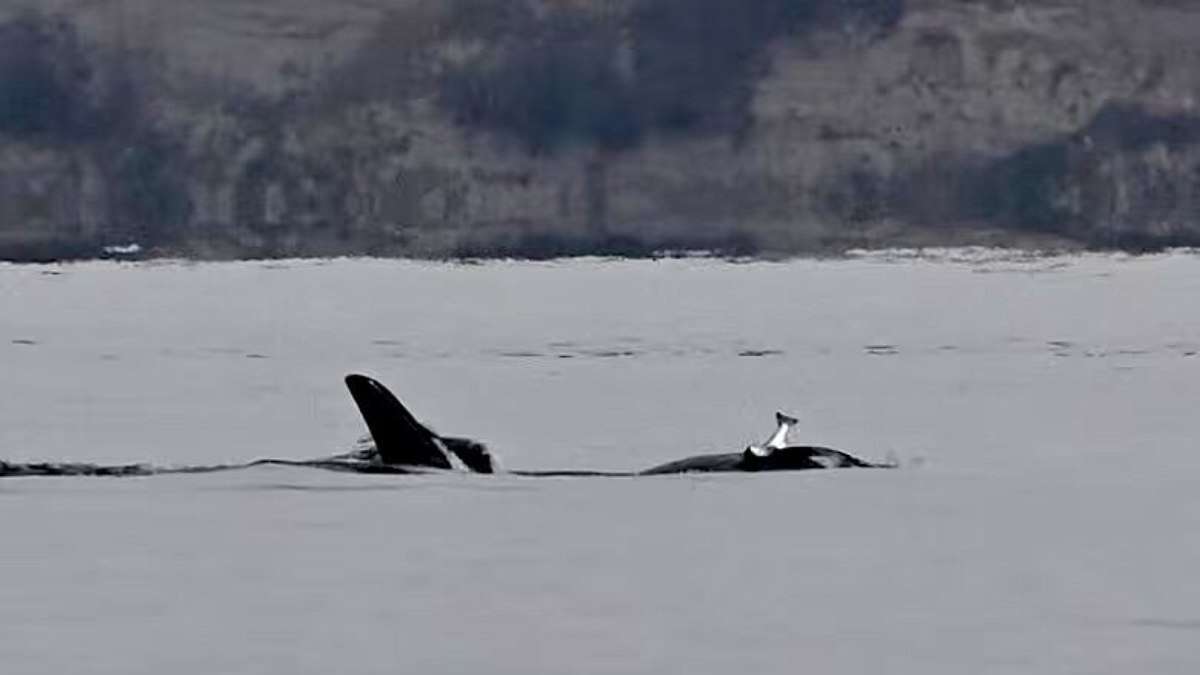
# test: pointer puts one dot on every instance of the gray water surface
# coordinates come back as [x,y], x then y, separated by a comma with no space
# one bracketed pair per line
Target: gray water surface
[1043,411]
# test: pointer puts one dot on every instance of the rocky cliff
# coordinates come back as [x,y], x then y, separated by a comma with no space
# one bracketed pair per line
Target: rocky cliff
[220,128]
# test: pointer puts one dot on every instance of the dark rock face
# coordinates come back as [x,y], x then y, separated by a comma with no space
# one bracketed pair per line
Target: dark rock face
[1128,179]
[500,127]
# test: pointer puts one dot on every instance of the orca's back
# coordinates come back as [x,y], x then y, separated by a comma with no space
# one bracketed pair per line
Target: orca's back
[730,461]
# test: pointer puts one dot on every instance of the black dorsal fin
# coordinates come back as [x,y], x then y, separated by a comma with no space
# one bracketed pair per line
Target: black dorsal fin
[399,437]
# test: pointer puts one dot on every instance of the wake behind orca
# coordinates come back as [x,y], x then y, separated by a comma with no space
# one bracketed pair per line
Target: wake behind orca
[400,444]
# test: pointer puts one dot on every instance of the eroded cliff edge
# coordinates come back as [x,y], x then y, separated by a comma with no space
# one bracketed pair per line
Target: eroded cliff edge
[228,128]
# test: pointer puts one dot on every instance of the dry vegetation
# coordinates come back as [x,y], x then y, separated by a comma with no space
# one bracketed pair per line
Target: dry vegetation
[552,80]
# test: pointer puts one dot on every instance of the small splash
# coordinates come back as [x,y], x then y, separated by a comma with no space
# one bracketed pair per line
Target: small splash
[118,250]
[24,341]
[257,356]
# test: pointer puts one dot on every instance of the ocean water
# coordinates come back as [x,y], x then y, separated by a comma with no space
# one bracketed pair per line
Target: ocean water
[1043,520]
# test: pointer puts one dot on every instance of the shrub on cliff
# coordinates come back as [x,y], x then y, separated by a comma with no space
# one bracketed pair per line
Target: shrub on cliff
[556,84]
[697,61]
[44,78]
[150,193]
[54,89]
[675,66]
[1069,186]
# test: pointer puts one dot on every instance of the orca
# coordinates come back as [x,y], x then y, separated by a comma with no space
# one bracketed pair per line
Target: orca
[402,441]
